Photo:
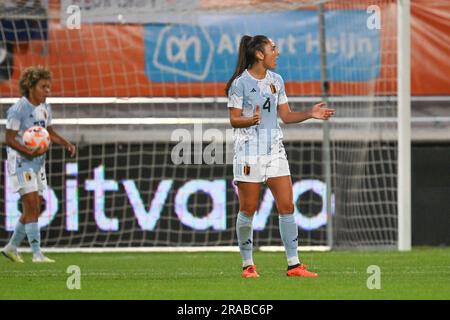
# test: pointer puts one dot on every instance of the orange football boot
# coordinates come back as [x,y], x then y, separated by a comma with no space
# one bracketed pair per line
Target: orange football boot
[300,271]
[250,272]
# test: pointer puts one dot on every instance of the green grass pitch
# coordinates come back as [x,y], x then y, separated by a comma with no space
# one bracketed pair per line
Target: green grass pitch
[423,273]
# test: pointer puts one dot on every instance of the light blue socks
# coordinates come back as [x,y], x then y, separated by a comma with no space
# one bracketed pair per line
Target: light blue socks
[34,237]
[289,235]
[18,235]
[244,230]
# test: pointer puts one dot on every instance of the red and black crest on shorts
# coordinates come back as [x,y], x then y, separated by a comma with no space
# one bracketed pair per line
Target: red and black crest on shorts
[273,88]
[246,170]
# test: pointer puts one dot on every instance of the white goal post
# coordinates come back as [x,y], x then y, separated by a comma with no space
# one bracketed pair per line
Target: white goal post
[404,124]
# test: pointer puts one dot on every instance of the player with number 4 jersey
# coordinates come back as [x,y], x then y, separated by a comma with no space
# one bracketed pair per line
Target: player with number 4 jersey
[256,97]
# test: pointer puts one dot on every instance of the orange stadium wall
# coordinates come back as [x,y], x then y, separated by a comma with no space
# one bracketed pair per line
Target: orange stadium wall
[110,60]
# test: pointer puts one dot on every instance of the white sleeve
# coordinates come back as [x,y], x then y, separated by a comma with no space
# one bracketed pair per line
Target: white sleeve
[235,95]
[50,117]
[13,121]
[282,98]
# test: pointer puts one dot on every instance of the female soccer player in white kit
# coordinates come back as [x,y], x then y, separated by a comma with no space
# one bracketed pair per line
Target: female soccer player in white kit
[26,169]
[256,96]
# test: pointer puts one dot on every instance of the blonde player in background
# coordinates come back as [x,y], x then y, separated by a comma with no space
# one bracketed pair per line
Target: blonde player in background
[256,96]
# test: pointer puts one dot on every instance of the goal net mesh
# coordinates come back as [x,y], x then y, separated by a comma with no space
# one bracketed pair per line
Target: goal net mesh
[132,86]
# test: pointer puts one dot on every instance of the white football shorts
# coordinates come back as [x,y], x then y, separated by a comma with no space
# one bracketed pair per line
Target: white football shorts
[28,181]
[260,168]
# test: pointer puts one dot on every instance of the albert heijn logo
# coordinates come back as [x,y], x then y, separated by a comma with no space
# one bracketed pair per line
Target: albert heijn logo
[181,52]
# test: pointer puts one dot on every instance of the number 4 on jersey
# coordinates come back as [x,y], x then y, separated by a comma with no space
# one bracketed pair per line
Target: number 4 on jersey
[266,105]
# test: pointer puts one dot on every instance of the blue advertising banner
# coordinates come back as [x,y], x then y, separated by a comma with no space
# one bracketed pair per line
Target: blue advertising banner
[207,52]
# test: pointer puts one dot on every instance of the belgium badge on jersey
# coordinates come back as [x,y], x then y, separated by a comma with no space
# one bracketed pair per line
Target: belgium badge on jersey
[246,170]
[27,176]
[273,88]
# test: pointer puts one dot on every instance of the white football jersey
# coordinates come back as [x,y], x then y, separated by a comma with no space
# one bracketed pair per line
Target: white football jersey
[21,116]
[246,93]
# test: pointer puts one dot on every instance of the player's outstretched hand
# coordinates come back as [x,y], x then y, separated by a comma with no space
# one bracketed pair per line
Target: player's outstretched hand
[319,112]
[72,150]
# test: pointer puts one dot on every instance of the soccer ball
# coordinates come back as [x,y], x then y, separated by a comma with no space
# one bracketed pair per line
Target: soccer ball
[36,137]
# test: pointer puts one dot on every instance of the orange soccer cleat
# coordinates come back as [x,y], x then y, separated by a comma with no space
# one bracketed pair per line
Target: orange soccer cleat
[300,271]
[250,272]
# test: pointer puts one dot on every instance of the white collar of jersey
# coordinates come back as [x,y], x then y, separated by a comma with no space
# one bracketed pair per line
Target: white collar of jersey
[265,78]
[29,103]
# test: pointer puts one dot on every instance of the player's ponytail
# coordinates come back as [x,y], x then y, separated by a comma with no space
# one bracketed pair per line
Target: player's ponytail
[246,57]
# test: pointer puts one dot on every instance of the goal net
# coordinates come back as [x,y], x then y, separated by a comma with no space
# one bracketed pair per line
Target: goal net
[140,90]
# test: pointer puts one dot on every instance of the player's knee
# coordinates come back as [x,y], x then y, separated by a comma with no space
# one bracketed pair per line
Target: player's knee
[286,208]
[31,216]
[31,211]
[249,210]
